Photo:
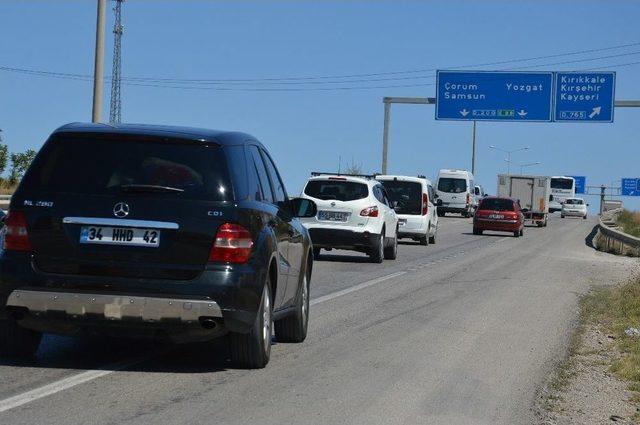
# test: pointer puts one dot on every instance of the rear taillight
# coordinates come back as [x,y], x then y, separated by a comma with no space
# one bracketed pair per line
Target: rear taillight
[425,204]
[468,199]
[232,245]
[16,237]
[369,212]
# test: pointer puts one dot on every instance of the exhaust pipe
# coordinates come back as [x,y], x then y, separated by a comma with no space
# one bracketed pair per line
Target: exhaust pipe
[208,322]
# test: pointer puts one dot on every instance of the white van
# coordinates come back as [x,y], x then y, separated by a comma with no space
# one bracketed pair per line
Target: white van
[415,206]
[455,188]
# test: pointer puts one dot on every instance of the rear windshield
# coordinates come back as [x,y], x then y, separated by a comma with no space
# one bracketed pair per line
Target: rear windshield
[496,204]
[108,166]
[408,195]
[452,185]
[574,201]
[336,190]
[560,183]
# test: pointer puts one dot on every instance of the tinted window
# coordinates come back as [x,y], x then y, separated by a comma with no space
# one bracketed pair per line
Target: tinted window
[336,189]
[574,201]
[238,170]
[431,194]
[497,204]
[281,195]
[408,195]
[106,166]
[452,185]
[562,184]
[263,177]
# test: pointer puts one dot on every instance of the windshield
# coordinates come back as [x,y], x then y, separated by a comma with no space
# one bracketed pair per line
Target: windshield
[336,190]
[98,167]
[497,204]
[408,195]
[574,202]
[560,183]
[452,185]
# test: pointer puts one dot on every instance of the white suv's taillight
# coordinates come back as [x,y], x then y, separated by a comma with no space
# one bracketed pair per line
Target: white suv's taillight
[16,237]
[369,212]
[232,245]
[425,204]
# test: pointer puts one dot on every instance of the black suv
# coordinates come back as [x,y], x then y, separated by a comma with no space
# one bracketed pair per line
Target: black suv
[156,231]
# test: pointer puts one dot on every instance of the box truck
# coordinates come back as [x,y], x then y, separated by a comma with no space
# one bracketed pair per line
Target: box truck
[532,192]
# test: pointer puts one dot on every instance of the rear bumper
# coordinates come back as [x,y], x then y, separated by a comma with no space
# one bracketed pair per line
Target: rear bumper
[573,213]
[342,239]
[229,294]
[454,208]
[502,225]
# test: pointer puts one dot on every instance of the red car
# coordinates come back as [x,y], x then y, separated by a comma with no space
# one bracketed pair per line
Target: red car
[499,214]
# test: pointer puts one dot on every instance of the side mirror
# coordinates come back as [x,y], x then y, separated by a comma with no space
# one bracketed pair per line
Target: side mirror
[303,208]
[438,202]
[587,205]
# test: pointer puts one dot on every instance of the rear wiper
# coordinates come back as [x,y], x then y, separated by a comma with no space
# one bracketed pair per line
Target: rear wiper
[149,188]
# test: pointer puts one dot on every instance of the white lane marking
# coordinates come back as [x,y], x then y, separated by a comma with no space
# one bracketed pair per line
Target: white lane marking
[90,375]
[64,384]
[355,288]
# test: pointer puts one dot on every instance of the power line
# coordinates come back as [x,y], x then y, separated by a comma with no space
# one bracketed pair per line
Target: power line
[196,84]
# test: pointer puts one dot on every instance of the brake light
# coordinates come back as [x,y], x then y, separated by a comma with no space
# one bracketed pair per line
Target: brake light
[232,245]
[468,198]
[369,212]
[338,178]
[16,237]
[425,204]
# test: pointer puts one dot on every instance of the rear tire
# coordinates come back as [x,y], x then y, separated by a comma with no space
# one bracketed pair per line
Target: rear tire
[17,342]
[584,218]
[377,250]
[252,350]
[432,238]
[316,253]
[561,215]
[521,232]
[391,252]
[294,328]
[424,240]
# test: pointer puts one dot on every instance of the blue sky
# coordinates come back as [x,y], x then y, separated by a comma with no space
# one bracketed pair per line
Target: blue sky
[308,130]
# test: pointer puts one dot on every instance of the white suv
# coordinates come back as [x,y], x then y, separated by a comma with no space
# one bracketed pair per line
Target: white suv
[415,206]
[354,213]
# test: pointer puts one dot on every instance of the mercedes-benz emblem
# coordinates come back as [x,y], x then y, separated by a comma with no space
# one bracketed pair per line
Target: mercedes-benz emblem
[121,210]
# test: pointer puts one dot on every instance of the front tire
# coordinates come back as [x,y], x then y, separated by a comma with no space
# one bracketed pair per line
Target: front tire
[477,231]
[294,328]
[252,350]
[17,342]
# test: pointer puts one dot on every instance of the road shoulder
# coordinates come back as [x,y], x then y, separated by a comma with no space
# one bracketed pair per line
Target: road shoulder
[593,383]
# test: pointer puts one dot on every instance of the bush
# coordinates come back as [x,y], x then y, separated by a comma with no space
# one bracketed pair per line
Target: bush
[629,222]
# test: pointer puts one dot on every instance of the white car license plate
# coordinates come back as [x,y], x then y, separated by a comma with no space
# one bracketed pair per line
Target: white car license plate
[120,236]
[496,216]
[333,216]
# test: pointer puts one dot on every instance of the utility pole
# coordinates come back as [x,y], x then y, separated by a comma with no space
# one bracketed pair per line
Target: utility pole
[473,151]
[602,190]
[98,71]
[116,73]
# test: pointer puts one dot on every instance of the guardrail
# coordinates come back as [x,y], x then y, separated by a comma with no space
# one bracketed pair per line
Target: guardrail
[609,239]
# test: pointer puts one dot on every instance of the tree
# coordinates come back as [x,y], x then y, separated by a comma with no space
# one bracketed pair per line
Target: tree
[19,164]
[353,168]
[4,158]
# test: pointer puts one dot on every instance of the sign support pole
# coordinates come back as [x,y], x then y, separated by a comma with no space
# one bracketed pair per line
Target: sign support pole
[431,101]
[473,150]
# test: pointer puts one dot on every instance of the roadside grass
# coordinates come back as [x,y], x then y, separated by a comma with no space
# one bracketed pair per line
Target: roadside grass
[7,188]
[629,221]
[616,309]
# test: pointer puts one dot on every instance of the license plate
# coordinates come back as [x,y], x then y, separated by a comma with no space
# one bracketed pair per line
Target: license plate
[402,222]
[496,216]
[333,216]
[106,235]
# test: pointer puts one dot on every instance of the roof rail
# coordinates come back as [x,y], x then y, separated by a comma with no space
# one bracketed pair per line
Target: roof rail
[322,173]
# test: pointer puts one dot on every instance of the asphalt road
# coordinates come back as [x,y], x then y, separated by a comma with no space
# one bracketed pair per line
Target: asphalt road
[460,332]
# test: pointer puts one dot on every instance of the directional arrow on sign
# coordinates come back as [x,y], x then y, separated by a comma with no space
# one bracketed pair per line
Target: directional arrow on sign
[522,113]
[464,112]
[596,111]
